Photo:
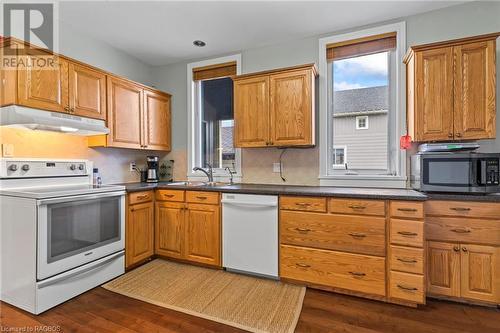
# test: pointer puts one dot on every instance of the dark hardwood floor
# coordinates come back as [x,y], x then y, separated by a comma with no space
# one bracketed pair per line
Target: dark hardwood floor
[100,310]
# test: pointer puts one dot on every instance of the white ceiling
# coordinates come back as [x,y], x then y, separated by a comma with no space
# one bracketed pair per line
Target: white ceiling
[160,33]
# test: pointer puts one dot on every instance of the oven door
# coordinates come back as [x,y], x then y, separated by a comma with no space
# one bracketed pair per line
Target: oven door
[75,230]
[449,174]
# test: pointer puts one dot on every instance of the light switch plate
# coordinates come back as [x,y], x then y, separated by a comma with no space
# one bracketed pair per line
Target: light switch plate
[276,167]
[7,150]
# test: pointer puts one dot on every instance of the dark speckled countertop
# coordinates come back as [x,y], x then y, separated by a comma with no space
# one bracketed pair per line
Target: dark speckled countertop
[327,191]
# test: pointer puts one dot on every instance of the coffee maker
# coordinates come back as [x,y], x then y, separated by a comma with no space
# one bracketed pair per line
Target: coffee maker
[152,169]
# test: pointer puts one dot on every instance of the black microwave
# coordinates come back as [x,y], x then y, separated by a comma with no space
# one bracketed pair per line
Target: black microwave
[464,172]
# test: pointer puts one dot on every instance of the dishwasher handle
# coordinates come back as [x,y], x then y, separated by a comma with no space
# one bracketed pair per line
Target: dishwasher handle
[248,204]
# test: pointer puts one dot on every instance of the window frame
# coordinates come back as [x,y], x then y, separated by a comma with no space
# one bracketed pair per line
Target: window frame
[397,126]
[340,166]
[358,118]
[194,122]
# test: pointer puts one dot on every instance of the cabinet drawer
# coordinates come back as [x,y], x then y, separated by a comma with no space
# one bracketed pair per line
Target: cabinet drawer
[409,233]
[406,259]
[407,209]
[211,198]
[360,234]
[360,207]
[463,230]
[139,197]
[408,287]
[303,203]
[335,269]
[170,195]
[489,210]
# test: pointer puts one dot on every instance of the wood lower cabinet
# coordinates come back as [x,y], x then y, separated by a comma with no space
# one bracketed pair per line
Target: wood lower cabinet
[480,272]
[202,234]
[443,271]
[139,232]
[186,230]
[451,89]
[275,108]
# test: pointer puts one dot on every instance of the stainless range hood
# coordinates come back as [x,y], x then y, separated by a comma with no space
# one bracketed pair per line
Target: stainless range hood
[23,117]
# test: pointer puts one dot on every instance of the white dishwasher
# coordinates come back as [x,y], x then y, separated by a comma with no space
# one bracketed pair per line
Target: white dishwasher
[250,234]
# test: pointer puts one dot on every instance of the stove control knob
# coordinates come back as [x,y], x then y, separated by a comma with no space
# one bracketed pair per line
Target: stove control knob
[81,167]
[25,167]
[72,167]
[13,167]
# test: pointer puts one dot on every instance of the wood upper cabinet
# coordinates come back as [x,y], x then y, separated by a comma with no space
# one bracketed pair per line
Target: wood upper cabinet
[202,234]
[43,86]
[156,123]
[87,91]
[275,108]
[139,233]
[480,277]
[251,112]
[169,229]
[443,273]
[291,108]
[451,89]
[475,84]
[125,108]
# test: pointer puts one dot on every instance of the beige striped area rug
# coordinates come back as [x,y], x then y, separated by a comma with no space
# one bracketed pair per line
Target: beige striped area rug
[249,303]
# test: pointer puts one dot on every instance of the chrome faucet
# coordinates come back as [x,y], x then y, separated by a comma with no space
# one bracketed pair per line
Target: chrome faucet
[209,173]
[230,175]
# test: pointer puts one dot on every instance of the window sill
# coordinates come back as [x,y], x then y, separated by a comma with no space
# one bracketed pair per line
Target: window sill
[363,181]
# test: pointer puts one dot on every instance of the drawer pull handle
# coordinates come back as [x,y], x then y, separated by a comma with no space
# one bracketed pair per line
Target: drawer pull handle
[356,207]
[407,288]
[460,209]
[302,265]
[145,196]
[302,229]
[303,204]
[357,235]
[168,195]
[408,261]
[407,233]
[201,197]
[407,209]
[461,231]
[358,274]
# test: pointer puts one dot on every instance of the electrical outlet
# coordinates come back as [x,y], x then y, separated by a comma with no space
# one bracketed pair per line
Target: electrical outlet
[132,166]
[7,150]
[276,167]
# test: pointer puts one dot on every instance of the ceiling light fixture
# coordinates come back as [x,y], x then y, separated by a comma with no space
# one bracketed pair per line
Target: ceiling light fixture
[199,43]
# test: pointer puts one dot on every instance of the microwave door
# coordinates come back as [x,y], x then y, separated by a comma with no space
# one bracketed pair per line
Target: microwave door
[447,174]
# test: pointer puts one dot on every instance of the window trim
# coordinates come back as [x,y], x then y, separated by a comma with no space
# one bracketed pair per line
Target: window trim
[340,166]
[193,109]
[358,118]
[396,129]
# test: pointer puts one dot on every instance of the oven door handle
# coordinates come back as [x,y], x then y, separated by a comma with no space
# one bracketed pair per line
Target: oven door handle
[77,271]
[80,197]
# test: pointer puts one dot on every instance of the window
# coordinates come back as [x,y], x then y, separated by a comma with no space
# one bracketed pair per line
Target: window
[361,107]
[361,122]
[339,157]
[211,120]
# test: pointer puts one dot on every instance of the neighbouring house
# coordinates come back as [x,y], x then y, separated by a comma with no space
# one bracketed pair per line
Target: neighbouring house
[360,128]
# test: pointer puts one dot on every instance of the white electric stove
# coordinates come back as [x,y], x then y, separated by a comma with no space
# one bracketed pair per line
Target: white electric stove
[60,235]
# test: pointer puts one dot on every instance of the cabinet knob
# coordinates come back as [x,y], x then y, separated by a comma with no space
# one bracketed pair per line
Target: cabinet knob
[464,249]
[459,135]
[450,135]
[66,108]
[456,248]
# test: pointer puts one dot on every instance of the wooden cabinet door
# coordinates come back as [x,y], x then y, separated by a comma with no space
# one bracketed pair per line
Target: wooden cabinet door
[125,104]
[475,106]
[157,123]
[202,234]
[251,112]
[291,108]
[443,270]
[139,233]
[434,95]
[43,82]
[87,91]
[169,222]
[480,275]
